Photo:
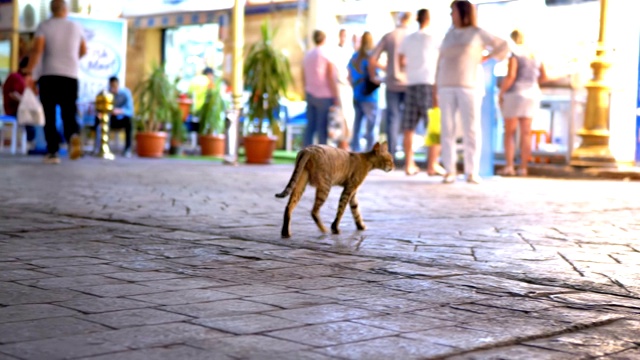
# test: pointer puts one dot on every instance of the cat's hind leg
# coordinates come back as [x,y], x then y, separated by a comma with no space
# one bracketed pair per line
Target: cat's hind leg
[345,198]
[294,198]
[322,193]
[355,211]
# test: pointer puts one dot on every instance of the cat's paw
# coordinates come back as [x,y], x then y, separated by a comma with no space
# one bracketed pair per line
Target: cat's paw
[285,235]
[335,230]
[361,227]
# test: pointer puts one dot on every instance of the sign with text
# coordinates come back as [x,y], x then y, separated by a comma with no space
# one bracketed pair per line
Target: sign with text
[106,55]
[6,15]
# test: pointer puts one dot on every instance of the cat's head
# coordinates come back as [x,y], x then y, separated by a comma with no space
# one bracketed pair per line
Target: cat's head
[382,159]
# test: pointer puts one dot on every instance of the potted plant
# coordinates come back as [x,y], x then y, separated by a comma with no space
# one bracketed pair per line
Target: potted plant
[267,74]
[211,120]
[157,107]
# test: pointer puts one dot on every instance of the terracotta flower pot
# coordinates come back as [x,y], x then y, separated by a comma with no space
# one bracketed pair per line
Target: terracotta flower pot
[211,145]
[151,144]
[259,148]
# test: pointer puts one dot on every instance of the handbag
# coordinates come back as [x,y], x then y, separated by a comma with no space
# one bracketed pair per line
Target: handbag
[30,111]
[369,86]
[433,127]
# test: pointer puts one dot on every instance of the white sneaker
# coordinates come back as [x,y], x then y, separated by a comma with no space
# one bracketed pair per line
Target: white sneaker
[449,178]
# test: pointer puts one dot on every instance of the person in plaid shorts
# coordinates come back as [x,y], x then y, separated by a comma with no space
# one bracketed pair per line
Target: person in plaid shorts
[419,56]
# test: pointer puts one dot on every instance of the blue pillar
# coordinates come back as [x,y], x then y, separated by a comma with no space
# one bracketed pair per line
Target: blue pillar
[489,120]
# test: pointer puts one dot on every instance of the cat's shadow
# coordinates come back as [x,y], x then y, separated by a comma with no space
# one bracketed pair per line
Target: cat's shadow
[345,242]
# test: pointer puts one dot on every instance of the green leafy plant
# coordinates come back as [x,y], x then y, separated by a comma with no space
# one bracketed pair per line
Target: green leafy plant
[212,113]
[157,105]
[267,75]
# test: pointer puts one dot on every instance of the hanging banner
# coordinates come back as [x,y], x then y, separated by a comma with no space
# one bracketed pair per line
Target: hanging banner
[106,56]
[6,15]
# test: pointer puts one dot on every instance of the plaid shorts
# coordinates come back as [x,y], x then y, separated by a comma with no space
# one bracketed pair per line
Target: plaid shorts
[418,99]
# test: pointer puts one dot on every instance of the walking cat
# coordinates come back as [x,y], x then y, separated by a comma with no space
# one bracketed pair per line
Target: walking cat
[324,166]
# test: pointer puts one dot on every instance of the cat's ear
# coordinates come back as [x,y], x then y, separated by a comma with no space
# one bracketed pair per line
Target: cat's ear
[376,148]
[384,147]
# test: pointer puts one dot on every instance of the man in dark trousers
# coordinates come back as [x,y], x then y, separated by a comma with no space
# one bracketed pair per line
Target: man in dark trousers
[58,45]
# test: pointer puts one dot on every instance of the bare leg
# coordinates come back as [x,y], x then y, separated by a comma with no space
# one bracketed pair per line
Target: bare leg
[410,167]
[345,198]
[525,145]
[510,127]
[355,211]
[433,168]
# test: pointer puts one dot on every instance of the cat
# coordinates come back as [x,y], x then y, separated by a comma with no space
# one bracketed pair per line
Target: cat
[324,166]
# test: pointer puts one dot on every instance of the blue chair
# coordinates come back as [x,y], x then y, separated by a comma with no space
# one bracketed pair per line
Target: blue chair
[15,128]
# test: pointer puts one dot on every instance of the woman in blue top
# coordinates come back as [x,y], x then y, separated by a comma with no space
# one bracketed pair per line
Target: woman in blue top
[365,104]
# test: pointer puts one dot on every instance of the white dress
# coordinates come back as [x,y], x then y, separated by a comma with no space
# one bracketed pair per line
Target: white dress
[522,100]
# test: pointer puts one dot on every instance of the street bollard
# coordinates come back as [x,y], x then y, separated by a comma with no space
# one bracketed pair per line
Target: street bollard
[104,107]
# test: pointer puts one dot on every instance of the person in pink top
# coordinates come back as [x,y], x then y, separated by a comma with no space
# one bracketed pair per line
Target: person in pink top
[321,89]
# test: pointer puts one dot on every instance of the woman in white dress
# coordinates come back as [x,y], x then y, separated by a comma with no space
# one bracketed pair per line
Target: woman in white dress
[519,98]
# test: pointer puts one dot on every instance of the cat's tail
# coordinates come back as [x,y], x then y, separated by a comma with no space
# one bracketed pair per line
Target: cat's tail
[301,160]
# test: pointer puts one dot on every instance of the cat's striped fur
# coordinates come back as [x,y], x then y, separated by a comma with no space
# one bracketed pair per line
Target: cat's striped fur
[323,166]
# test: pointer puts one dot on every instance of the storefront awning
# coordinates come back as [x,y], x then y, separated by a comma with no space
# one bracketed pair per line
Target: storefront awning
[172,20]
[137,8]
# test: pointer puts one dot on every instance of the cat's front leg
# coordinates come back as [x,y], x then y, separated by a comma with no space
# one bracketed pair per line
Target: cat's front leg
[345,197]
[355,211]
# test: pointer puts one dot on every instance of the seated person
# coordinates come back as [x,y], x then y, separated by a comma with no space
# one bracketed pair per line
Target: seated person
[122,114]
[12,93]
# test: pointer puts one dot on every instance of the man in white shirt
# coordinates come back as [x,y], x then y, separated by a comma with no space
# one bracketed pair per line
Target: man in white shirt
[418,55]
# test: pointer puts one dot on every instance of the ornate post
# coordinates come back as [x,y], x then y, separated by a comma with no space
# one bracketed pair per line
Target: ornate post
[594,149]
[104,107]
[233,132]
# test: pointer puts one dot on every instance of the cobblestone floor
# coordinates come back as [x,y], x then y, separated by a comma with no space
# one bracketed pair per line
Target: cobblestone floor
[167,259]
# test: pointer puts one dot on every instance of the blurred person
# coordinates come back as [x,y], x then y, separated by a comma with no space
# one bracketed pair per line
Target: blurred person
[418,55]
[344,86]
[199,86]
[122,115]
[365,105]
[58,46]
[321,89]
[395,80]
[12,90]
[519,99]
[460,87]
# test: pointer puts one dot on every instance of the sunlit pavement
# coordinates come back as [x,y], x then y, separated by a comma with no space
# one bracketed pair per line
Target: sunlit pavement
[170,259]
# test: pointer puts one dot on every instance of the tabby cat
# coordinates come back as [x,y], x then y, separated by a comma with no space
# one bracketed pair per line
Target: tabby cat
[324,166]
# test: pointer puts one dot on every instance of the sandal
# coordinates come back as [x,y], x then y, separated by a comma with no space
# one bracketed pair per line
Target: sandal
[507,171]
[522,172]
[437,171]
[413,170]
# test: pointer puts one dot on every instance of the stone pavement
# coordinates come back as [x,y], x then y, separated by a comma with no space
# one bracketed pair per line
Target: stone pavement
[173,259]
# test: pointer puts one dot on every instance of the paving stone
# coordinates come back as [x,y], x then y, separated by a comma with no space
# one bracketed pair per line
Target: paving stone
[247,346]
[117,290]
[81,270]
[323,313]
[254,290]
[184,297]
[100,305]
[46,328]
[68,347]
[136,276]
[387,348]
[15,294]
[183,284]
[269,264]
[67,261]
[515,352]
[292,355]
[412,285]
[158,335]
[404,322]
[448,295]
[631,354]
[248,324]
[356,292]
[135,317]
[291,300]
[455,337]
[331,333]
[387,305]
[14,265]
[33,312]
[69,282]
[176,352]
[517,304]
[219,308]
[318,283]
[7,357]
[13,275]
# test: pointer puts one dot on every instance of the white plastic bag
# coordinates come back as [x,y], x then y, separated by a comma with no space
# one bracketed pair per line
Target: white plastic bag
[30,111]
